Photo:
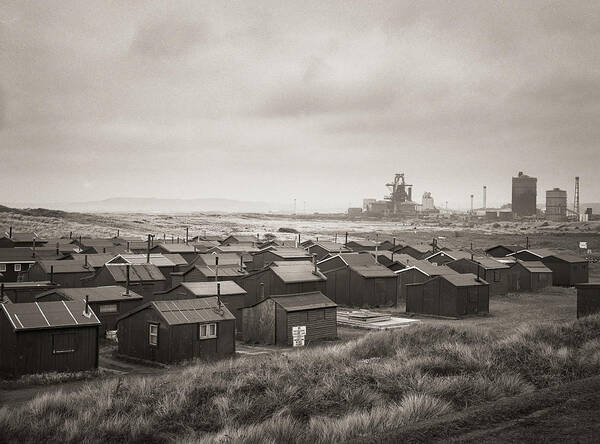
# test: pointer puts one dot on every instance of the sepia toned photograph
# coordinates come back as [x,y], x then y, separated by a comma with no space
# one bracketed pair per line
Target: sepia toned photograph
[275,221]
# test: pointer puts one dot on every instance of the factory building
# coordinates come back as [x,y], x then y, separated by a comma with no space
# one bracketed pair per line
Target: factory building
[524,195]
[556,205]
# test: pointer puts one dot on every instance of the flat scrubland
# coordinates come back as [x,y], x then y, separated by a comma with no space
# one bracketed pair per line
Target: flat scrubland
[373,386]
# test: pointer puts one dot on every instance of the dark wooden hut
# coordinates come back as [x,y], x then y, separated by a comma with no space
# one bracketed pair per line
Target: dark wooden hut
[174,331]
[451,295]
[529,276]
[47,337]
[495,273]
[357,280]
[588,298]
[271,321]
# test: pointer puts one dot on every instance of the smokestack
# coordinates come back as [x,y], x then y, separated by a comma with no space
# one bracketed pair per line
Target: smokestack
[484,197]
[51,274]
[127,279]
[261,292]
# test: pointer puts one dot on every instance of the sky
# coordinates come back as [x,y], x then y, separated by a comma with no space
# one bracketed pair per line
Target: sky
[318,101]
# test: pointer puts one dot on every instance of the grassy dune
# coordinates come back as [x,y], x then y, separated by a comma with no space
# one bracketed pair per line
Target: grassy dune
[369,387]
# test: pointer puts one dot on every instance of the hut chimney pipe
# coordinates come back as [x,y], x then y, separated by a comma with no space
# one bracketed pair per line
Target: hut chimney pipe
[51,274]
[85,258]
[103,249]
[1,291]
[261,292]
[187,235]
[346,243]
[87,305]
[376,255]
[118,233]
[57,248]
[10,232]
[128,247]
[315,271]
[219,294]
[127,279]
[216,268]
[241,263]
[70,235]
[33,254]
[527,242]
[148,251]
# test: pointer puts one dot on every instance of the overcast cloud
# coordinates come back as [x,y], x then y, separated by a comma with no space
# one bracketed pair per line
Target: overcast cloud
[319,101]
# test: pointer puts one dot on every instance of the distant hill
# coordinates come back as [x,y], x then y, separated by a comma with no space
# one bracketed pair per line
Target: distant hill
[156,205]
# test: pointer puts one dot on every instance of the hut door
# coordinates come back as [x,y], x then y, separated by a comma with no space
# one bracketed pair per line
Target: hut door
[472,300]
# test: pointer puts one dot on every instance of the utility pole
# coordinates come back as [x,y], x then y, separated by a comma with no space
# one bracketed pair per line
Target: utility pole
[576,202]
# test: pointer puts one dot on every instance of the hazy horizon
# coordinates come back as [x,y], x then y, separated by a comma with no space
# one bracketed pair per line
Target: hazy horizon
[318,101]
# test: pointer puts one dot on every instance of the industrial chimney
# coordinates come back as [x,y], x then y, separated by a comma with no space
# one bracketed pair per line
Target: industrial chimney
[484,197]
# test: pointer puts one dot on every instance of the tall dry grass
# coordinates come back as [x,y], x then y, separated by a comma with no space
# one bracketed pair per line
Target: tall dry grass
[352,391]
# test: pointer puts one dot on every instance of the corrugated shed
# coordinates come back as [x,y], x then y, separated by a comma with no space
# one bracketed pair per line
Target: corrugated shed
[303,301]
[41,315]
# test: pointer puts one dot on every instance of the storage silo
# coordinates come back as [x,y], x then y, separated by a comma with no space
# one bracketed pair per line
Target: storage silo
[556,204]
[524,195]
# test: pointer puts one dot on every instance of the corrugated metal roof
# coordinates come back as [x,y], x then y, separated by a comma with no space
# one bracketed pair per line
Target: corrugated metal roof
[210,288]
[424,266]
[331,247]
[289,253]
[29,284]
[95,260]
[296,271]
[65,266]
[463,280]
[137,273]
[37,315]
[224,259]
[176,248]
[192,311]
[95,294]
[365,265]
[20,255]
[540,252]
[226,270]
[235,248]
[363,243]
[303,301]
[158,259]
[535,266]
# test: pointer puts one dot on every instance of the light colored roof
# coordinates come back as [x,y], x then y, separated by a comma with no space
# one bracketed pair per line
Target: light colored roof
[424,266]
[137,273]
[37,315]
[210,288]
[303,301]
[289,253]
[296,271]
[248,238]
[29,284]
[95,294]
[65,266]
[331,247]
[539,252]
[26,236]
[176,248]
[224,259]
[226,270]
[534,266]
[192,311]
[490,264]
[463,280]
[235,248]
[158,259]
[365,265]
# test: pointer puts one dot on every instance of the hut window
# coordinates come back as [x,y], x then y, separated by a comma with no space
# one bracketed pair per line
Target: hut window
[207,331]
[496,276]
[63,343]
[17,267]
[2,267]
[109,308]
[153,334]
